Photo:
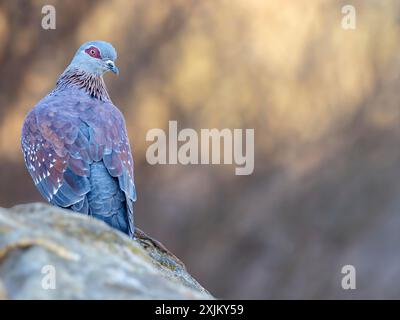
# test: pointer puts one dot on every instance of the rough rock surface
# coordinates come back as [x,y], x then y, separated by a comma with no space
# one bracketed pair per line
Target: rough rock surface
[90,260]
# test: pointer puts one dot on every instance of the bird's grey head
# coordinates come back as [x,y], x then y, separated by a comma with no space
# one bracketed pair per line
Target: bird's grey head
[95,57]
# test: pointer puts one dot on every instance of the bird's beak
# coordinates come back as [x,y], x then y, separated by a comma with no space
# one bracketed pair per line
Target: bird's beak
[112,67]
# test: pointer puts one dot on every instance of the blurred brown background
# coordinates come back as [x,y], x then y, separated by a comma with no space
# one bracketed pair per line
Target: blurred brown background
[324,104]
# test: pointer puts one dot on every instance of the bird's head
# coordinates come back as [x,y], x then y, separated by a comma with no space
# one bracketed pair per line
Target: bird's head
[96,58]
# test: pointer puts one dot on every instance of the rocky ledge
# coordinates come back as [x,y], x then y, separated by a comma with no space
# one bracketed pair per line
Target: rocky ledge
[51,253]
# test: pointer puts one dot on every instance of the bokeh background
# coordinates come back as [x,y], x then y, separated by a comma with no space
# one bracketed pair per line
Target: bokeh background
[324,103]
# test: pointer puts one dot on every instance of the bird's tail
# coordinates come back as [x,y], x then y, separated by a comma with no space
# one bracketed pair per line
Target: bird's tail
[131,219]
[107,201]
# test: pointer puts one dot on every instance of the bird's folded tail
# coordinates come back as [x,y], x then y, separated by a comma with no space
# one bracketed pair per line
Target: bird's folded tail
[107,201]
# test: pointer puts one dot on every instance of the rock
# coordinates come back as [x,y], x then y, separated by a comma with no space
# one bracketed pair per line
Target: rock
[42,247]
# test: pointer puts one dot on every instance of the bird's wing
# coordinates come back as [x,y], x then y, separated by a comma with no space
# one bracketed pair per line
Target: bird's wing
[59,144]
[56,157]
[108,140]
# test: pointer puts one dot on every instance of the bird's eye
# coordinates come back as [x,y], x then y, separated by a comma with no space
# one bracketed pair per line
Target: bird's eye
[93,52]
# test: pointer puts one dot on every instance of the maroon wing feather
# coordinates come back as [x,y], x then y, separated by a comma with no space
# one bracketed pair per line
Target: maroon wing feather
[60,143]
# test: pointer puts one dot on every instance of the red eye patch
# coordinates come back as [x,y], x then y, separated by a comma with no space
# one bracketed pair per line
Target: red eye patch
[93,52]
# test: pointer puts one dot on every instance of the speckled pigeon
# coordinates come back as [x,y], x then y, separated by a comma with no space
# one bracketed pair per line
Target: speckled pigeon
[75,142]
